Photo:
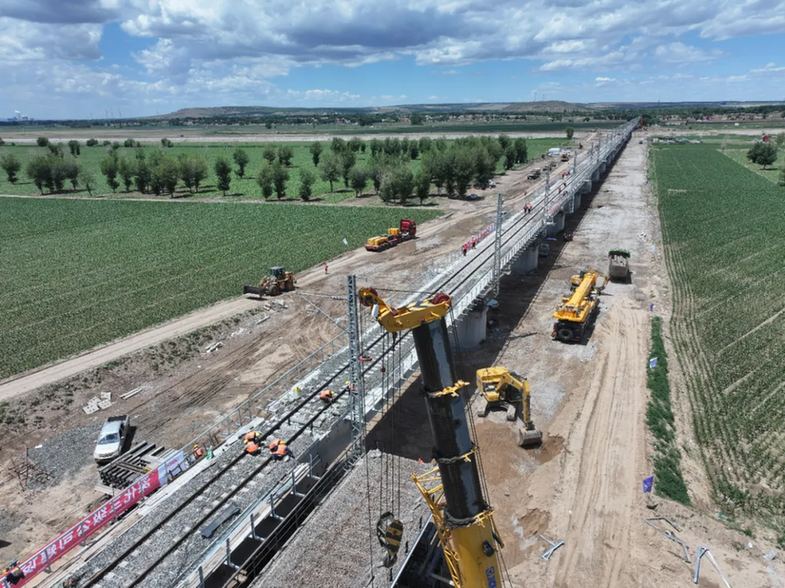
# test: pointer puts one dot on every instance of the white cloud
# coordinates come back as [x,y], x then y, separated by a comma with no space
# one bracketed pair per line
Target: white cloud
[682,54]
[768,68]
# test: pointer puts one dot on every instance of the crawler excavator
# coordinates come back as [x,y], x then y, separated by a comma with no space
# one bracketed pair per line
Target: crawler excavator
[501,389]
[454,489]
[580,308]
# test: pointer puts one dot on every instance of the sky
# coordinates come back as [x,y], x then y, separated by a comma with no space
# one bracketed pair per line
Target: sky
[90,58]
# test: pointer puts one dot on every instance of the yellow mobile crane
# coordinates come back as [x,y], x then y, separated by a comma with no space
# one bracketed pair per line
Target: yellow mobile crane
[578,309]
[453,490]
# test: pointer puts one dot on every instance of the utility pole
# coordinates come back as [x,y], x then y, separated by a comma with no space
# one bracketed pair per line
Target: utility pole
[575,163]
[357,389]
[497,245]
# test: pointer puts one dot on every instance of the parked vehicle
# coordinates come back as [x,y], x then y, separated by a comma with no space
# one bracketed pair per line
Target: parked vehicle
[111,441]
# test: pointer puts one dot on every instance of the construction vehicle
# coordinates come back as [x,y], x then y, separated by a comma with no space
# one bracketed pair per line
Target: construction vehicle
[278,281]
[407,229]
[501,389]
[534,174]
[454,489]
[111,441]
[619,264]
[565,155]
[580,308]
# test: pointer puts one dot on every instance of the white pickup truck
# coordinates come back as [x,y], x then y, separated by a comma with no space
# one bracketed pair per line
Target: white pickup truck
[111,441]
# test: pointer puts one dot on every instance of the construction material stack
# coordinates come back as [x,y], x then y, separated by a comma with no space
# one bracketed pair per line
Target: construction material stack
[406,229]
[577,311]
[453,490]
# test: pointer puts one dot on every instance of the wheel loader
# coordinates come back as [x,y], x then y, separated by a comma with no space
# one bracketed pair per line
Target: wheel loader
[278,281]
[501,389]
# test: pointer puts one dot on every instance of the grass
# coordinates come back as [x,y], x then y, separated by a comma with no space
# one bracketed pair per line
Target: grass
[241,188]
[724,232]
[78,273]
[668,479]
[771,173]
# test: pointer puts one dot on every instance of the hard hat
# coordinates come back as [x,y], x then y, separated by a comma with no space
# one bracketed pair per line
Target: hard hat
[196,445]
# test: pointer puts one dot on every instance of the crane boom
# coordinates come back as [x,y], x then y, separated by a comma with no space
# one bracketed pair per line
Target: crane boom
[453,490]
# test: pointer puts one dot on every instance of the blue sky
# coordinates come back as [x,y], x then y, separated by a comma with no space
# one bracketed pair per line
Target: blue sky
[77,58]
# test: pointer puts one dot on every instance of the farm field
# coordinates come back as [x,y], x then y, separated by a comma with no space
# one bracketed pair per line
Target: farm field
[724,232]
[77,273]
[241,188]
[771,173]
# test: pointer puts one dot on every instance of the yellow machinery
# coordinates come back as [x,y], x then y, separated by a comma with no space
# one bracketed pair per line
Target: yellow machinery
[578,310]
[565,155]
[454,489]
[500,389]
[278,281]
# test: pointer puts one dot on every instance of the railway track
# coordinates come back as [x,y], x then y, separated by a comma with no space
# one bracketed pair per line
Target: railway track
[164,545]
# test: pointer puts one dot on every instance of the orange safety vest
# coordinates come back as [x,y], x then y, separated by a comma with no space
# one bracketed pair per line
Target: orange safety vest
[251,447]
[198,452]
[327,395]
[281,450]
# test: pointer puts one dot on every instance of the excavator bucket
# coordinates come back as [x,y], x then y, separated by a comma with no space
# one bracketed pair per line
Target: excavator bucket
[529,438]
[252,290]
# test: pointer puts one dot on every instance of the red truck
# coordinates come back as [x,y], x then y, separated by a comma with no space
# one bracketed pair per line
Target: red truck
[407,229]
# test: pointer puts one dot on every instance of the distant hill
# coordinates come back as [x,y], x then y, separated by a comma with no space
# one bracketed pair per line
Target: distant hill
[545,106]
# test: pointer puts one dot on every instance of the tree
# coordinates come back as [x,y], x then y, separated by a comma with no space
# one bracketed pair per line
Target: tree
[348,159]
[763,154]
[269,153]
[11,165]
[358,179]
[87,178]
[355,144]
[504,141]
[780,140]
[417,119]
[126,169]
[280,177]
[55,149]
[168,174]
[781,181]
[42,142]
[521,151]
[70,169]
[463,170]
[510,157]
[330,168]
[91,143]
[223,171]
[130,143]
[192,170]
[338,145]
[241,159]
[425,144]
[74,147]
[268,124]
[422,186]
[166,143]
[142,174]
[316,151]
[569,131]
[285,154]
[199,171]
[38,170]
[307,179]
[414,150]
[265,180]
[109,168]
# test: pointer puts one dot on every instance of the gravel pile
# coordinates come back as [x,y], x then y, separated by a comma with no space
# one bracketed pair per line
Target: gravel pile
[63,456]
[335,547]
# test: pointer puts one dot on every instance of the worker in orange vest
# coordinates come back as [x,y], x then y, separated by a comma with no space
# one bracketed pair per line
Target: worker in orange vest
[327,396]
[279,450]
[251,441]
[198,451]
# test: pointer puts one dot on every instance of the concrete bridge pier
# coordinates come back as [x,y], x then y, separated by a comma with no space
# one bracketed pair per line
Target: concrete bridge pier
[576,201]
[471,328]
[595,177]
[586,188]
[558,224]
[603,167]
[527,262]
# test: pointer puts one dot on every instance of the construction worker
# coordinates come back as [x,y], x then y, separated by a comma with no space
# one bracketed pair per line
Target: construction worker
[465,249]
[198,453]
[252,442]
[474,242]
[325,269]
[69,582]
[279,450]
[13,573]
[327,396]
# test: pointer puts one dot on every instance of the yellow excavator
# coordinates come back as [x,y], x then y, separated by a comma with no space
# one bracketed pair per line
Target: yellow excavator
[278,281]
[501,389]
[580,308]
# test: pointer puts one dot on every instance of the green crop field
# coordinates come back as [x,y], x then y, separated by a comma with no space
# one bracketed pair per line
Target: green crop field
[241,188]
[77,273]
[724,232]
